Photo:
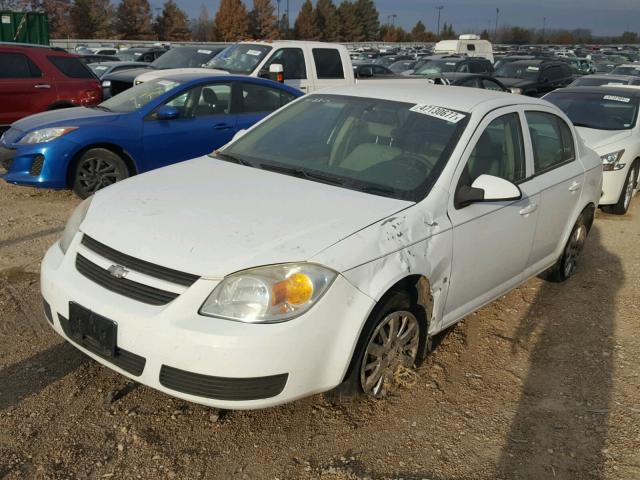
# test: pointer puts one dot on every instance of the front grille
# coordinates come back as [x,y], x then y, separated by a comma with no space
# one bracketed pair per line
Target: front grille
[36,165]
[127,361]
[151,269]
[6,157]
[123,286]
[221,388]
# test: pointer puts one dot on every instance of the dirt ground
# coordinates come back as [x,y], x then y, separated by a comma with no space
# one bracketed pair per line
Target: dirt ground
[542,384]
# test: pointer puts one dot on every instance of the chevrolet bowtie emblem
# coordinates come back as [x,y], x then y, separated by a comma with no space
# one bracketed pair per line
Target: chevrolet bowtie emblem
[117,271]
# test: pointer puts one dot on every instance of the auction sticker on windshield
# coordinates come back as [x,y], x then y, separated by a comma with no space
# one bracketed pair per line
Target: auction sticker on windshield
[253,52]
[617,99]
[438,112]
[206,52]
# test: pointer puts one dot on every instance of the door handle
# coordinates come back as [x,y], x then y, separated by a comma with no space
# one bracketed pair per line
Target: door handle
[222,126]
[42,85]
[532,207]
[574,186]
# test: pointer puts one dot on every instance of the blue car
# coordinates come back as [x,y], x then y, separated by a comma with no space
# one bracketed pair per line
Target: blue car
[151,125]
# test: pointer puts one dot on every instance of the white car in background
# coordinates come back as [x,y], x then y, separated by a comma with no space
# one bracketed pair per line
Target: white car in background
[326,246]
[607,119]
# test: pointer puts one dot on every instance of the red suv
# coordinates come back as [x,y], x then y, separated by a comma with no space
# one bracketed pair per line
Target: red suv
[35,78]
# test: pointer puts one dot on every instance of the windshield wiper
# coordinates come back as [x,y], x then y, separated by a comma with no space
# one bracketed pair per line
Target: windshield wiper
[100,107]
[578,124]
[300,173]
[230,158]
[376,190]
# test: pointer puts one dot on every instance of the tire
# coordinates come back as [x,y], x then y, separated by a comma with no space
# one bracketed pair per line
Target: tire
[566,265]
[626,194]
[390,360]
[97,168]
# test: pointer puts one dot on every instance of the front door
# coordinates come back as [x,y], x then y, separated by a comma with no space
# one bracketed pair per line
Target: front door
[206,122]
[491,240]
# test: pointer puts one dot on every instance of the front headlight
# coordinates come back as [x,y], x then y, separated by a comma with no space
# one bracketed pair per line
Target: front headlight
[73,224]
[269,294]
[516,90]
[46,134]
[610,161]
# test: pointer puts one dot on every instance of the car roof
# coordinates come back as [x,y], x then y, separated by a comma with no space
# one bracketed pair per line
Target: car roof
[32,45]
[421,92]
[119,63]
[607,76]
[604,89]
[199,76]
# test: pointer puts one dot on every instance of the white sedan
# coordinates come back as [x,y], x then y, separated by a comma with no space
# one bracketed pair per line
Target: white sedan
[607,119]
[326,246]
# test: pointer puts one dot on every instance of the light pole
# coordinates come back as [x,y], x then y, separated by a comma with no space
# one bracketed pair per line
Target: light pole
[544,27]
[278,23]
[393,19]
[288,27]
[439,10]
[495,35]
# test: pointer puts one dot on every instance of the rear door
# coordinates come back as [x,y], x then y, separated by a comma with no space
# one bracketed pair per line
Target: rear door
[206,122]
[254,101]
[23,91]
[559,176]
[328,67]
[74,81]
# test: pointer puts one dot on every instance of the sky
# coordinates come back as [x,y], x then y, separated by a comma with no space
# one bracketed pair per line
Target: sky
[602,17]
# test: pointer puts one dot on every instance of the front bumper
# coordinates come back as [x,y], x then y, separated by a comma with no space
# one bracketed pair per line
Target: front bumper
[208,360]
[39,165]
[612,184]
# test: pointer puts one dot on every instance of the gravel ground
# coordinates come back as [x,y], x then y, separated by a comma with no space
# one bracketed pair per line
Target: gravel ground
[544,383]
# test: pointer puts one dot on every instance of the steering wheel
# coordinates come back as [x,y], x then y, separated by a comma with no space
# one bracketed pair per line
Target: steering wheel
[413,159]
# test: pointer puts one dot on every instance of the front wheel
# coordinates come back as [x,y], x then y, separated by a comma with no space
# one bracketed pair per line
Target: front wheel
[391,344]
[624,201]
[98,168]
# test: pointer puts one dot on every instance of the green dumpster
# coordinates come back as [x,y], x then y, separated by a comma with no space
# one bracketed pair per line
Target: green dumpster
[24,27]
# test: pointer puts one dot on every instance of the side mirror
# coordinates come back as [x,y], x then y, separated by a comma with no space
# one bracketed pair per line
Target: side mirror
[167,112]
[486,188]
[276,72]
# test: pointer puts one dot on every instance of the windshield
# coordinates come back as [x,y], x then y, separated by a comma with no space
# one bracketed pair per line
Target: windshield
[597,110]
[184,57]
[129,55]
[402,66]
[436,66]
[377,146]
[240,58]
[138,96]
[634,71]
[518,70]
[596,81]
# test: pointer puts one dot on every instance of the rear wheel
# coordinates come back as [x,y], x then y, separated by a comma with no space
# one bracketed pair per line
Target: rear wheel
[567,264]
[626,195]
[98,168]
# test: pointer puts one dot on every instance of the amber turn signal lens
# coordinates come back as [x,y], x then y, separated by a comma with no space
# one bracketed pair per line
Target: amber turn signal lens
[297,289]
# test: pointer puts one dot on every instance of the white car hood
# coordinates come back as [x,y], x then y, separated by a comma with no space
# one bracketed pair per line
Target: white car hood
[597,139]
[153,74]
[212,218]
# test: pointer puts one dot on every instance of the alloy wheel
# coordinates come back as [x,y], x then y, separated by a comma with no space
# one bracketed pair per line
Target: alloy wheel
[628,192]
[393,346]
[574,247]
[95,173]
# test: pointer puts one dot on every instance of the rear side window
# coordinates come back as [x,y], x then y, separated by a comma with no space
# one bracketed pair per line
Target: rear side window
[328,63]
[71,67]
[552,141]
[17,65]
[258,98]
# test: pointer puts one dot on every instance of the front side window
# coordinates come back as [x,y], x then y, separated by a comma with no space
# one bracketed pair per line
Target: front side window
[213,99]
[328,63]
[387,148]
[488,84]
[71,67]
[551,139]
[499,151]
[292,61]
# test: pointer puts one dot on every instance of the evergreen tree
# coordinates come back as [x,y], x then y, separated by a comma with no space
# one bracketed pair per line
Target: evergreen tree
[92,18]
[134,20]
[173,24]
[419,32]
[369,18]
[327,21]
[262,21]
[350,27]
[232,21]
[305,27]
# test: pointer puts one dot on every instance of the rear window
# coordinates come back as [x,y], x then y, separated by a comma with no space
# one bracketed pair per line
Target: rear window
[328,63]
[17,65]
[71,67]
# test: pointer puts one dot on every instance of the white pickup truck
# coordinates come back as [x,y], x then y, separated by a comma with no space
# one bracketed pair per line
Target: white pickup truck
[307,66]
